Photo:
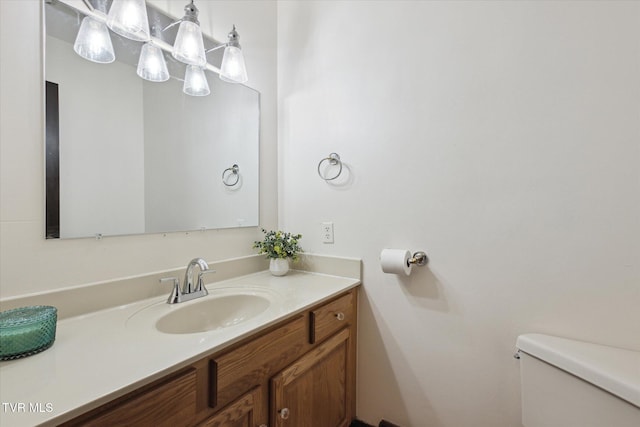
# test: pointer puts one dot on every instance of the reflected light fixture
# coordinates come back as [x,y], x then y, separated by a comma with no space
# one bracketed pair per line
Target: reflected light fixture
[93,42]
[195,82]
[129,19]
[151,64]
[189,47]
[233,69]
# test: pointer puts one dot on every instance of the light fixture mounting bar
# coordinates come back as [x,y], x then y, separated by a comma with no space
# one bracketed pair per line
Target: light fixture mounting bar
[220,46]
[89,5]
[173,24]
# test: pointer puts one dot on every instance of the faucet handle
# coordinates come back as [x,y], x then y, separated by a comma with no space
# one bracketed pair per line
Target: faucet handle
[200,282]
[175,295]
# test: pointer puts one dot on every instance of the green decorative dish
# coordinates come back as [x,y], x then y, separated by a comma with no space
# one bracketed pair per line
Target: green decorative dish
[27,330]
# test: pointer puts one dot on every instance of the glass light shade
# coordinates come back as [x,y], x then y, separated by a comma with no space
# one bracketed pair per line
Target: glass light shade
[93,42]
[195,82]
[188,47]
[233,69]
[129,19]
[151,65]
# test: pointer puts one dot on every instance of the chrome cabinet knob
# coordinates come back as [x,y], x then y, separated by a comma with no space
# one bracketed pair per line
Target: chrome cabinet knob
[284,413]
[340,315]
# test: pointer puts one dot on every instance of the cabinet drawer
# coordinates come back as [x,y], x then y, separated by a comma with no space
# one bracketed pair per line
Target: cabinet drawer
[251,364]
[330,317]
[171,403]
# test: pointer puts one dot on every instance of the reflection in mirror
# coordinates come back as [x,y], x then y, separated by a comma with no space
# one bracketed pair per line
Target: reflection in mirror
[129,156]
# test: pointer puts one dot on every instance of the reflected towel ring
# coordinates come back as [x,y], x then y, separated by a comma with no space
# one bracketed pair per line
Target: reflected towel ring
[233,170]
[333,159]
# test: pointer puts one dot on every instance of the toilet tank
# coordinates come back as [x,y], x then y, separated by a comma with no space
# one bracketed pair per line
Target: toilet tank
[571,383]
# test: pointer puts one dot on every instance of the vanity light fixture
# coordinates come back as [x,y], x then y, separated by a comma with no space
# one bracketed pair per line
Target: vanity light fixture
[151,65]
[233,69]
[129,19]
[189,47]
[195,82]
[93,42]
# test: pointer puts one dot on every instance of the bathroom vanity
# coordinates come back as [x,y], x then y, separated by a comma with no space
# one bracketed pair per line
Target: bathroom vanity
[291,365]
[299,372]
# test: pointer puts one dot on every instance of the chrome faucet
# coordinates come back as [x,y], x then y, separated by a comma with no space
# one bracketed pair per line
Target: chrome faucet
[187,285]
[189,290]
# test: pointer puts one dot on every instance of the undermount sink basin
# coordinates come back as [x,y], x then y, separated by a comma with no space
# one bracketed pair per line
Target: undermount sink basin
[213,313]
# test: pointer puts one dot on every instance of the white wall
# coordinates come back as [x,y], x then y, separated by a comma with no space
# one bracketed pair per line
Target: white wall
[29,263]
[503,138]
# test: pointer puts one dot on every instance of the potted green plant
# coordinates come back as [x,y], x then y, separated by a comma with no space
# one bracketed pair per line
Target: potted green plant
[279,247]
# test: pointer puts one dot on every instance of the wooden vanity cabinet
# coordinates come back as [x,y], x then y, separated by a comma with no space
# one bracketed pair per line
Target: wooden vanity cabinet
[298,373]
[306,368]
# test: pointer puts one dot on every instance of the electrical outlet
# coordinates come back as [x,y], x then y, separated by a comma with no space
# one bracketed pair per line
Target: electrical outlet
[326,232]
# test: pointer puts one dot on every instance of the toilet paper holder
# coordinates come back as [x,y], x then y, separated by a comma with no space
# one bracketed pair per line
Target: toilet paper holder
[400,261]
[418,258]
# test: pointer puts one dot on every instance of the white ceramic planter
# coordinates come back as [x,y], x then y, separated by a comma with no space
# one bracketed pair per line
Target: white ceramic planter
[279,266]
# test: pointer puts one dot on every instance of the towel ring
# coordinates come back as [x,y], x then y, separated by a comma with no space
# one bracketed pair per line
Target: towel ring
[233,170]
[333,159]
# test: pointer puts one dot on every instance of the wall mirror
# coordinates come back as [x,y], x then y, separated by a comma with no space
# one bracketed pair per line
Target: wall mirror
[129,156]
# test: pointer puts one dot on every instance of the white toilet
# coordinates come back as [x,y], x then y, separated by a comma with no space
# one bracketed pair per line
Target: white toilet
[567,383]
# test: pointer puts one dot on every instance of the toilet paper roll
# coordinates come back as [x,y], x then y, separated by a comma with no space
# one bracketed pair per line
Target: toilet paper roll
[395,261]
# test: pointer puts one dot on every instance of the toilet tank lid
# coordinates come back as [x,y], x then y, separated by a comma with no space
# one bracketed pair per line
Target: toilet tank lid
[616,370]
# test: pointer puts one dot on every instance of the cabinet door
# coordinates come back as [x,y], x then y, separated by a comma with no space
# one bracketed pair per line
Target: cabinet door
[246,411]
[312,392]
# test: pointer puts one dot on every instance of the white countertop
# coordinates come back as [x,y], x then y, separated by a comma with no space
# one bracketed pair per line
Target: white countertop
[103,355]
[616,370]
